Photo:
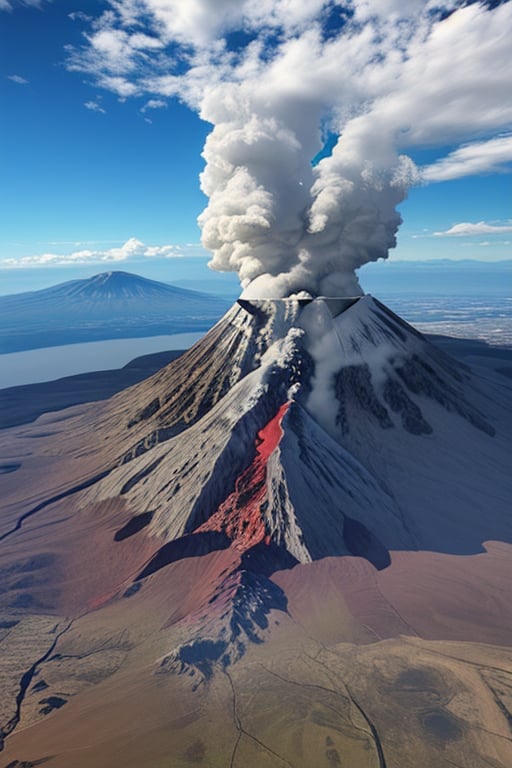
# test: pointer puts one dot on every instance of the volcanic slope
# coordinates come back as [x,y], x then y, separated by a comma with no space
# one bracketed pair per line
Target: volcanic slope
[110,305]
[289,547]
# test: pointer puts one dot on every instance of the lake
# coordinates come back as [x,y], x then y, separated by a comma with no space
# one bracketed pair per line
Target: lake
[49,363]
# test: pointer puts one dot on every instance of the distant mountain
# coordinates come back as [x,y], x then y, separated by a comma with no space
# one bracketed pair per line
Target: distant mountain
[110,305]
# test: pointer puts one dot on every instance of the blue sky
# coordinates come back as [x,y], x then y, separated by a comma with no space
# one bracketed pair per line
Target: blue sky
[87,170]
[73,175]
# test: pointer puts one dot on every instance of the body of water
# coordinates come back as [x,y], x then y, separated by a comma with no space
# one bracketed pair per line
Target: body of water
[36,365]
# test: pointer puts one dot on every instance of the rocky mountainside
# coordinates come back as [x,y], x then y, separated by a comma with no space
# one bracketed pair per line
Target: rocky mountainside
[107,306]
[270,552]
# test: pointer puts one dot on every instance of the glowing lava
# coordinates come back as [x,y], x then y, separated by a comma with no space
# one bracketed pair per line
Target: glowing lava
[240,516]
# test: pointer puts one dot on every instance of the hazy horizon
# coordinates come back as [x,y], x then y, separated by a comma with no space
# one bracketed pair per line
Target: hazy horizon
[197,276]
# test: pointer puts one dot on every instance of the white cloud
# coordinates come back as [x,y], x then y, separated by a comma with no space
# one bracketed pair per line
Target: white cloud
[492,243]
[394,73]
[17,79]
[119,85]
[79,16]
[8,5]
[131,249]
[450,85]
[113,49]
[154,104]
[201,22]
[365,9]
[480,157]
[93,106]
[468,229]
[113,54]
[164,251]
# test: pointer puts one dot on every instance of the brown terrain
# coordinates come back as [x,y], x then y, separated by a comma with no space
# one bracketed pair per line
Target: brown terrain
[171,597]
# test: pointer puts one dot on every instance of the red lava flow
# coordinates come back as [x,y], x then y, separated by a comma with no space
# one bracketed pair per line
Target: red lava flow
[240,515]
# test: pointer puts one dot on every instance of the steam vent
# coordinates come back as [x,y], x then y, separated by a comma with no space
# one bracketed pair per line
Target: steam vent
[289,547]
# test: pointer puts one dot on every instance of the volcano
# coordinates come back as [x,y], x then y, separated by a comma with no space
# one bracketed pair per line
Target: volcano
[110,305]
[291,546]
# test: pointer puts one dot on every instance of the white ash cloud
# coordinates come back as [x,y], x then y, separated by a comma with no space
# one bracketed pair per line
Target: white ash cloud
[274,78]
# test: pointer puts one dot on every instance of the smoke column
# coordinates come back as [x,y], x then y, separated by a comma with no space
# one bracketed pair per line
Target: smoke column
[276,78]
[282,224]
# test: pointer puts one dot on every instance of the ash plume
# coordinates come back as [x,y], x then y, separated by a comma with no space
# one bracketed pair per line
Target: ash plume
[279,81]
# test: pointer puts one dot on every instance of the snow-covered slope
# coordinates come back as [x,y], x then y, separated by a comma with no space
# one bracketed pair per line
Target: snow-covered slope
[379,427]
